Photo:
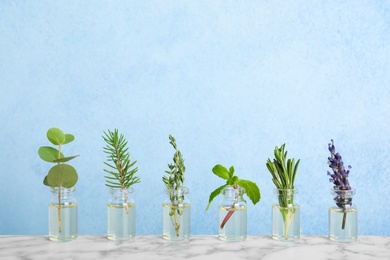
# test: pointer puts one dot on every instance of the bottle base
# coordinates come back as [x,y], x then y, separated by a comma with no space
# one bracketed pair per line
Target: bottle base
[283,239]
[343,239]
[175,238]
[62,239]
[232,239]
[117,238]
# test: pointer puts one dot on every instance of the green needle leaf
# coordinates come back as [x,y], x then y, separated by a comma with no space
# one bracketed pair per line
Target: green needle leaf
[118,154]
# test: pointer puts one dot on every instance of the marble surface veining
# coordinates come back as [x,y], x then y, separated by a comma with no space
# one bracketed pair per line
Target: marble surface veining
[198,247]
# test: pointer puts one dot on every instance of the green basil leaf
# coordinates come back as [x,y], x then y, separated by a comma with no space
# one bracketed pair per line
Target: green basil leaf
[251,190]
[231,171]
[221,172]
[214,194]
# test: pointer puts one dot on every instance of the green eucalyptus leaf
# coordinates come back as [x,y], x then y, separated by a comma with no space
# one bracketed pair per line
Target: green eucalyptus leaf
[56,136]
[62,175]
[251,190]
[65,159]
[214,194]
[221,172]
[45,181]
[68,138]
[49,154]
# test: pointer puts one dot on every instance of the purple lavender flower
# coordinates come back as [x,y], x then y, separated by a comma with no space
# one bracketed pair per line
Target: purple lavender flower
[342,189]
[340,175]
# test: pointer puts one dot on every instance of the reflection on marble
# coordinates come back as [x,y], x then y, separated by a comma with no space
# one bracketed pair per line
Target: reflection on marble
[198,247]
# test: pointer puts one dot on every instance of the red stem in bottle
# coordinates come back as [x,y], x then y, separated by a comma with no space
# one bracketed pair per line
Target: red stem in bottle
[230,213]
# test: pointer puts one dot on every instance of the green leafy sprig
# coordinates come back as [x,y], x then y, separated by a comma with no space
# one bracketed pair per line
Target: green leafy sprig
[121,170]
[60,175]
[251,188]
[174,182]
[283,173]
[175,179]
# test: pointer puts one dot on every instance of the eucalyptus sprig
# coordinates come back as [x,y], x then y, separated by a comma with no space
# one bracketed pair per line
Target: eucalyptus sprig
[60,175]
[121,170]
[174,182]
[283,173]
[251,188]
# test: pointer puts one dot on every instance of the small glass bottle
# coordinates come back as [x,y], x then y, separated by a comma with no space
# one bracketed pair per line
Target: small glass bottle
[232,215]
[286,216]
[62,215]
[343,219]
[121,214]
[176,215]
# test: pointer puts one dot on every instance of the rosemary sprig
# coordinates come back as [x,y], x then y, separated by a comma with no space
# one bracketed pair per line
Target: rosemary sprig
[283,176]
[122,175]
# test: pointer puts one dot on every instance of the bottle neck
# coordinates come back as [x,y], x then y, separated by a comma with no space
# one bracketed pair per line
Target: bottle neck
[286,197]
[119,195]
[63,193]
[233,195]
[177,196]
[343,198]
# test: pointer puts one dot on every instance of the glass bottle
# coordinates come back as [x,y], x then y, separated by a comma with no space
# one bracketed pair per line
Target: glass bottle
[121,214]
[286,215]
[232,215]
[343,219]
[62,214]
[176,215]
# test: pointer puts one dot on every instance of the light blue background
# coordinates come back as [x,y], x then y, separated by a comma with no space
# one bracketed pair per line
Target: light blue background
[228,79]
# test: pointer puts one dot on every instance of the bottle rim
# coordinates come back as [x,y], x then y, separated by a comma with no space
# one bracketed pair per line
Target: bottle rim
[343,192]
[55,189]
[114,190]
[288,191]
[241,190]
[184,190]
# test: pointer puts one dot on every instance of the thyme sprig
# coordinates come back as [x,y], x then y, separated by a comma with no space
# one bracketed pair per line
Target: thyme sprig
[121,168]
[174,182]
[283,173]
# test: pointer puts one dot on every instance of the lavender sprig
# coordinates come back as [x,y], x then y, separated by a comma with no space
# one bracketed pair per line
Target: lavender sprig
[340,180]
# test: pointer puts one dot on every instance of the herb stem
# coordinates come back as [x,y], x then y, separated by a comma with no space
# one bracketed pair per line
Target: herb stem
[59,210]
[344,219]
[59,196]
[231,210]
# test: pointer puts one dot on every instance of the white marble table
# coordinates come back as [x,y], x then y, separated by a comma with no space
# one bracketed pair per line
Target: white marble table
[198,247]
